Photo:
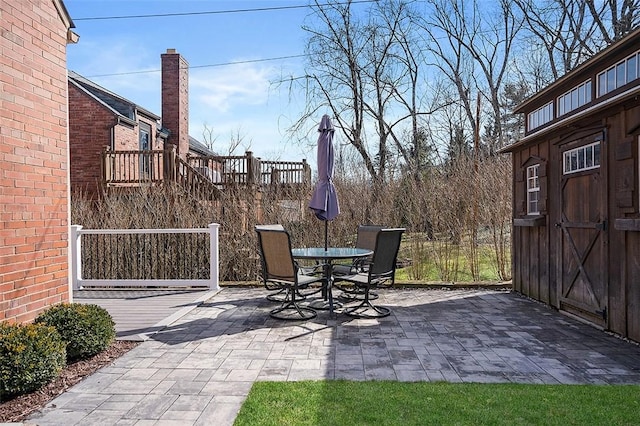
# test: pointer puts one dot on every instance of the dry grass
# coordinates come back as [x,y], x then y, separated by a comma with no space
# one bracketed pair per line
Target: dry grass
[456,209]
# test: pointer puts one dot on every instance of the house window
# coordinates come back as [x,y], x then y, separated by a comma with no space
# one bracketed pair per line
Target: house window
[540,116]
[533,189]
[618,75]
[574,98]
[583,158]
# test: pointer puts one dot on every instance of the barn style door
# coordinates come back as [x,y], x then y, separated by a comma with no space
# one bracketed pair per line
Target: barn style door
[583,225]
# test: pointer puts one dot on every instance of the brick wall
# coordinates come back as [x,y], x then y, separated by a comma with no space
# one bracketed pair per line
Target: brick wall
[33,158]
[90,127]
[175,99]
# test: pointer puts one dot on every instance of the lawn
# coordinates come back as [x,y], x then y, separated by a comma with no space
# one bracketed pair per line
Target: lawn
[422,403]
[441,262]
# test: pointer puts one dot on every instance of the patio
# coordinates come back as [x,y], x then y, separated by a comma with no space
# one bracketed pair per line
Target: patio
[199,367]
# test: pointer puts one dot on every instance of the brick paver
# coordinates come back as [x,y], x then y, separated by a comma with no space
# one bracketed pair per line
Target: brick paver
[199,369]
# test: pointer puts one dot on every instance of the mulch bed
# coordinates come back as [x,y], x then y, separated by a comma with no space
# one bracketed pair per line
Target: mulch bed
[20,407]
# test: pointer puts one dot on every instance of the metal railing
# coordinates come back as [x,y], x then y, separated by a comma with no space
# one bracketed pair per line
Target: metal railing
[145,257]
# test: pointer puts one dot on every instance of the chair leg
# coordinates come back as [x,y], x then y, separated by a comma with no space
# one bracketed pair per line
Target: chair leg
[352,294]
[281,295]
[367,310]
[290,310]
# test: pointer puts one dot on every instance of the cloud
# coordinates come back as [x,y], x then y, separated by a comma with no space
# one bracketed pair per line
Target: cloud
[226,88]
[120,66]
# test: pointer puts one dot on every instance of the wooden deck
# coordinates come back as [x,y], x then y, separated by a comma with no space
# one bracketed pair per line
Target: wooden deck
[154,309]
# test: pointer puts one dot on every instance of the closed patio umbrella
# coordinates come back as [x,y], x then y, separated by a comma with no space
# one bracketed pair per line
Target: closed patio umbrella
[324,201]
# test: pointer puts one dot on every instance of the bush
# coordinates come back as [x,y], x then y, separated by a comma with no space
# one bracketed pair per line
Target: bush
[86,329]
[31,356]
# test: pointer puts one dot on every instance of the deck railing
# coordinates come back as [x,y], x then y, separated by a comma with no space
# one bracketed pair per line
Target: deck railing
[132,168]
[144,257]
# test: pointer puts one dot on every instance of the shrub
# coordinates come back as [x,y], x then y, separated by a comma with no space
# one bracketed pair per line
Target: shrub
[31,356]
[86,329]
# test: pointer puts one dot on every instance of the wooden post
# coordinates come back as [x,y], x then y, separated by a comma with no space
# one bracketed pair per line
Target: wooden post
[249,171]
[107,169]
[306,170]
[170,164]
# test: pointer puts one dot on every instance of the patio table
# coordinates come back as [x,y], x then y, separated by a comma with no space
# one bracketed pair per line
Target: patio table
[327,256]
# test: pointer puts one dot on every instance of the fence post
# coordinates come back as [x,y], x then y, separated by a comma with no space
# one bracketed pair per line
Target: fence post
[306,173]
[214,256]
[249,171]
[76,256]
[169,171]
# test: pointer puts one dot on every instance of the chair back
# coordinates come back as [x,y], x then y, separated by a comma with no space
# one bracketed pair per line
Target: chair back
[367,234]
[385,254]
[275,253]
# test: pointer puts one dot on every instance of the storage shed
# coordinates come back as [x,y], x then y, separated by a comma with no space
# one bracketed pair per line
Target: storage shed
[576,192]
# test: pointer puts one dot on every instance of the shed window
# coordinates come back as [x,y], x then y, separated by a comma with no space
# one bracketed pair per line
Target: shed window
[574,98]
[540,116]
[618,75]
[583,158]
[533,189]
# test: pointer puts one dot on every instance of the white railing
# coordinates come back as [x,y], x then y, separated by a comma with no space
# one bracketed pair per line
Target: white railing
[79,282]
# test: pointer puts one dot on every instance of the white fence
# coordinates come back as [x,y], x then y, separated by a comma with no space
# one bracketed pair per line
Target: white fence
[79,282]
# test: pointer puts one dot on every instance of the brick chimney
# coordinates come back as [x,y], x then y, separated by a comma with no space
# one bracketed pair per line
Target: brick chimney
[175,100]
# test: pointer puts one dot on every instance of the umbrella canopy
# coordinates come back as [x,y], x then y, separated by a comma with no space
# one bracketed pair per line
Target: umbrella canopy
[324,201]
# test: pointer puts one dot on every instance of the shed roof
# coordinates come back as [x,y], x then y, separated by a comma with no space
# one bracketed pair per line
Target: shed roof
[594,61]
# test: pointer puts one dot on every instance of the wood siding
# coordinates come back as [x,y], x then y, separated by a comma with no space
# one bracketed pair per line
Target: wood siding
[582,253]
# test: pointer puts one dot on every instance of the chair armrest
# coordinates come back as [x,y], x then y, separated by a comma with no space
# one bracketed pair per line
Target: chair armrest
[318,268]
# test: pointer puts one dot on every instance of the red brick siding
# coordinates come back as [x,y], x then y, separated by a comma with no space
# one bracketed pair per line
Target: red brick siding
[90,125]
[175,100]
[33,159]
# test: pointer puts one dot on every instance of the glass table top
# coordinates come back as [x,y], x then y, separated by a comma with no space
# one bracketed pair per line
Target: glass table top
[330,252]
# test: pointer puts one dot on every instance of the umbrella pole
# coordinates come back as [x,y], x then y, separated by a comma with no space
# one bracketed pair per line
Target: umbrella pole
[326,235]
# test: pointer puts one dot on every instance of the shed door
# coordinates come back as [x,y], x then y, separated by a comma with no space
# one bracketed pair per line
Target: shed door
[583,227]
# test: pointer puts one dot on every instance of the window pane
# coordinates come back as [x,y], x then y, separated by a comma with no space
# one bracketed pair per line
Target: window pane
[632,68]
[611,79]
[580,96]
[581,159]
[587,94]
[602,84]
[574,99]
[596,155]
[560,106]
[621,80]
[589,156]
[574,160]
[567,163]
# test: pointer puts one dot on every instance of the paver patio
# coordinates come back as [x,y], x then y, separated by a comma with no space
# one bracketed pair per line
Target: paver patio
[199,369]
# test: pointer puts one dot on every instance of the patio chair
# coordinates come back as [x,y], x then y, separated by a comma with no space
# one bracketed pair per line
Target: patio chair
[281,272]
[365,239]
[277,292]
[381,271]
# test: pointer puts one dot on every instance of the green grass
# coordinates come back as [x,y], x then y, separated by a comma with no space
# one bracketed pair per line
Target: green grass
[455,268]
[422,403]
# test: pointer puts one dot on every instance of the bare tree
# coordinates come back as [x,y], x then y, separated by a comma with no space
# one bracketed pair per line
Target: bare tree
[472,47]
[366,69]
[571,31]
[236,140]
